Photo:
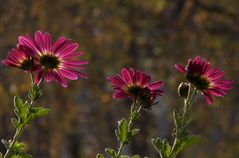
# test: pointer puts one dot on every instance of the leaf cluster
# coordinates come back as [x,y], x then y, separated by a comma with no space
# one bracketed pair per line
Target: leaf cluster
[183,138]
[25,113]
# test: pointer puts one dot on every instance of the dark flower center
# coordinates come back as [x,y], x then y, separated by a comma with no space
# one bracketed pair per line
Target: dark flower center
[198,81]
[143,95]
[134,90]
[27,64]
[146,99]
[49,61]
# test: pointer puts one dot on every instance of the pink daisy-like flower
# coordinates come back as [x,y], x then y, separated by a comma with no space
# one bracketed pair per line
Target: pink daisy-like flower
[54,59]
[19,59]
[206,79]
[135,85]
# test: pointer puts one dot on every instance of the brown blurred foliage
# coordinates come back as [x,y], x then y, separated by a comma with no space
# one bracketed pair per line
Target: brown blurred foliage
[152,35]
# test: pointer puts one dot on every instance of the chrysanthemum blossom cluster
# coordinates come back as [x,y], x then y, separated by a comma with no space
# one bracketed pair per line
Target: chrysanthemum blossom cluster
[135,85]
[207,80]
[47,59]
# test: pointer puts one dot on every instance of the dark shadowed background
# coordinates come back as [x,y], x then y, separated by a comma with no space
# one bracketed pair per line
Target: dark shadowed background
[152,35]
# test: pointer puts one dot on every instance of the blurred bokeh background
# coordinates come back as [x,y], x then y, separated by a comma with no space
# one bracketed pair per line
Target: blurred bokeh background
[152,35]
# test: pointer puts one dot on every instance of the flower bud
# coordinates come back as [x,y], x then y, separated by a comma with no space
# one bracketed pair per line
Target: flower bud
[183,89]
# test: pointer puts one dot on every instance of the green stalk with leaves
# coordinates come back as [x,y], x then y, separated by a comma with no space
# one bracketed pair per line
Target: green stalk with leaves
[201,79]
[44,60]
[25,112]
[182,137]
[136,86]
[125,132]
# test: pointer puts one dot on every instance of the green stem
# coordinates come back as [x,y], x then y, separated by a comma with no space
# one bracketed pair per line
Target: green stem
[186,108]
[120,149]
[130,123]
[20,129]
[15,138]
[32,78]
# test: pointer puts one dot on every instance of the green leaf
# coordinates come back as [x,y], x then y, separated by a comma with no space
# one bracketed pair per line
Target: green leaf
[5,143]
[135,115]
[185,142]
[18,147]
[34,92]
[21,109]
[111,152]
[122,131]
[134,132]
[177,119]
[124,156]
[136,156]
[99,155]
[21,156]
[166,148]
[15,122]
[36,112]
[39,111]
[18,151]
[157,143]
[0,155]
[163,147]
[18,103]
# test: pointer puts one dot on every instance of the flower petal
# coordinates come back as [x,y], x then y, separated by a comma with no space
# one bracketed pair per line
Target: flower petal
[208,98]
[59,79]
[68,49]
[126,75]
[155,85]
[48,76]
[180,68]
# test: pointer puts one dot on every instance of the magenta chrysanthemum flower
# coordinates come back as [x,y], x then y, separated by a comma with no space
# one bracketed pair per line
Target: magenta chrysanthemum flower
[135,85]
[54,59]
[206,79]
[19,59]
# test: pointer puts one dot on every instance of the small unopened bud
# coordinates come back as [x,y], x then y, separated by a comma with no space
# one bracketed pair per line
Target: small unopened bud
[183,89]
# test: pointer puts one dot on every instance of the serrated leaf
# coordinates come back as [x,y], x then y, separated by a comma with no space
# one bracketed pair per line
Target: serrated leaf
[18,147]
[34,92]
[15,122]
[25,110]
[111,152]
[36,112]
[163,147]
[22,111]
[124,156]
[5,143]
[122,131]
[185,142]
[39,111]
[18,151]
[134,132]
[157,143]
[99,155]
[21,156]
[166,148]
[135,115]
[18,103]
[177,119]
